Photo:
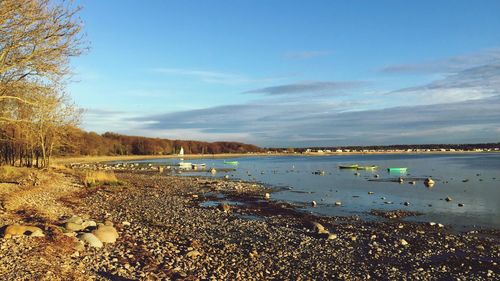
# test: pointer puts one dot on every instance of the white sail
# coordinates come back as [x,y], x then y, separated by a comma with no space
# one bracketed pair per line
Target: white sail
[181,153]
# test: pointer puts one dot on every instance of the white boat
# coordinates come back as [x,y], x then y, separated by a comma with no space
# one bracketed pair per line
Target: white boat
[185,165]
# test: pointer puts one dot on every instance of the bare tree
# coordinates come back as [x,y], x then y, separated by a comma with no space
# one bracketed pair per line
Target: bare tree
[37,40]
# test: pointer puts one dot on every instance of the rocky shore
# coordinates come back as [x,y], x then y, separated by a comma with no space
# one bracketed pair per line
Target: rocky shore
[195,228]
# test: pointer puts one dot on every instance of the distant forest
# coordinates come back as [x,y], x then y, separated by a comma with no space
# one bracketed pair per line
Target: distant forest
[89,143]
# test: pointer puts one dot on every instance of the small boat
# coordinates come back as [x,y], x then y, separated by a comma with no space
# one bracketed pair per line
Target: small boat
[231,162]
[397,170]
[353,166]
[373,167]
[185,165]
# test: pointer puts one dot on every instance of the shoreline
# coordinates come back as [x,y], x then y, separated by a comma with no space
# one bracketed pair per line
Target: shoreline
[178,228]
[100,159]
[254,234]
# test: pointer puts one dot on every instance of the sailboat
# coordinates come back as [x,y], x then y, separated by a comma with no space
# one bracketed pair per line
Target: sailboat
[181,153]
[182,164]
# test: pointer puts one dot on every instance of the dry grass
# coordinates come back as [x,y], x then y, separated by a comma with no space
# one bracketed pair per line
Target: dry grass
[60,167]
[93,178]
[12,174]
[41,199]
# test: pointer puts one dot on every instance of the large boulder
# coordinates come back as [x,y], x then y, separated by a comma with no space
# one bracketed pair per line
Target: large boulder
[75,219]
[16,229]
[106,233]
[91,239]
[72,226]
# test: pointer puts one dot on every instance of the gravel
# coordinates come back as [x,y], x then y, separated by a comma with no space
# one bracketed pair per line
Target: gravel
[165,232]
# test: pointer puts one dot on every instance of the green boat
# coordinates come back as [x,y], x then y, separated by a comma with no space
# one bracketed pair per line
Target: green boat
[231,162]
[396,170]
[353,166]
[373,167]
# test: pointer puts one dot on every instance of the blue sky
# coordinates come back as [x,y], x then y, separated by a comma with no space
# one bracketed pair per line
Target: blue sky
[292,73]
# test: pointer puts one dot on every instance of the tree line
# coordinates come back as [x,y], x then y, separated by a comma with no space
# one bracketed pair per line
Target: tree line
[80,142]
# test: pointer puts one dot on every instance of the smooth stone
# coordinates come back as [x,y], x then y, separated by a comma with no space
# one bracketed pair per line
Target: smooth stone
[460,204]
[106,233]
[314,204]
[71,226]
[79,246]
[75,219]
[448,199]
[89,223]
[267,196]
[16,229]
[319,228]
[37,233]
[332,236]
[429,181]
[91,239]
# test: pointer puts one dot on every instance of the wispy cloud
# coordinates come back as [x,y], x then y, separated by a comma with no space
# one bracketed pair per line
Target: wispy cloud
[329,124]
[306,54]
[329,87]
[204,75]
[216,77]
[448,65]
[472,83]
[105,119]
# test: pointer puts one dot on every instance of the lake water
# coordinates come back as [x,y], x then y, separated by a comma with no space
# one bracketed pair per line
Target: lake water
[470,179]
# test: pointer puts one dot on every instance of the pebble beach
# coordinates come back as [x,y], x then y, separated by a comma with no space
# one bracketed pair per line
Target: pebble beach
[196,228]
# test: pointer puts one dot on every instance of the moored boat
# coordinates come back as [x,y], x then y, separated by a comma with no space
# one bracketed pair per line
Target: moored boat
[373,167]
[231,162]
[352,166]
[397,169]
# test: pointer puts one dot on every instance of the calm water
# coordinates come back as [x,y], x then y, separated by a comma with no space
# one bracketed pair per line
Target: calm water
[470,179]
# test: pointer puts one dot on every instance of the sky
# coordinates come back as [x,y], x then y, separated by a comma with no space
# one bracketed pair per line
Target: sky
[292,73]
